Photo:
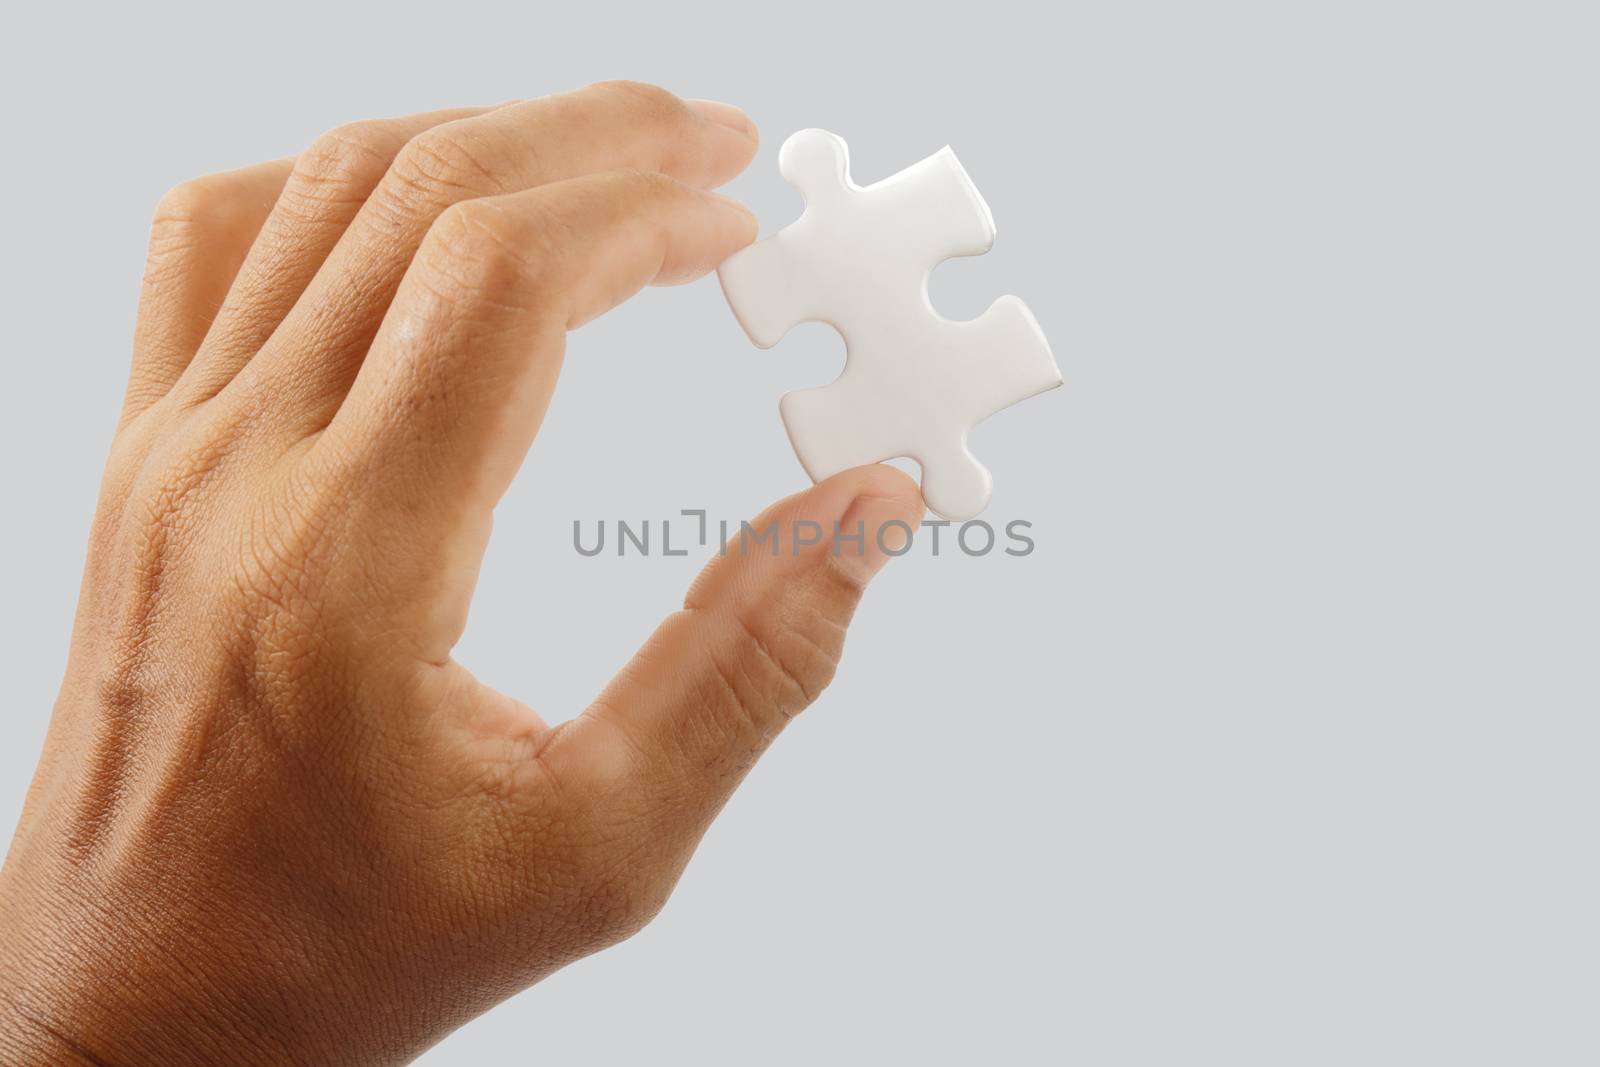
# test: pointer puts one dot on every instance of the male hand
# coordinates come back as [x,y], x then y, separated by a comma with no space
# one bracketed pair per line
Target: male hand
[274,821]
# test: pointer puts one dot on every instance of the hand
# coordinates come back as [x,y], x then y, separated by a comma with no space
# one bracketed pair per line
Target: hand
[274,821]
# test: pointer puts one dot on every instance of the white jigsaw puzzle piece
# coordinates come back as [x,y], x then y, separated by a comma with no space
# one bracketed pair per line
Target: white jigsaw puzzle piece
[914,382]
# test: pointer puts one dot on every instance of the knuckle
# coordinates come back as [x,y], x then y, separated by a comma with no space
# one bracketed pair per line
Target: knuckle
[809,625]
[189,215]
[785,654]
[652,100]
[803,646]
[193,202]
[472,249]
[441,166]
[340,166]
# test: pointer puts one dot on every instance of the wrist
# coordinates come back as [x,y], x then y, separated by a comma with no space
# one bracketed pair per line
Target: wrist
[75,990]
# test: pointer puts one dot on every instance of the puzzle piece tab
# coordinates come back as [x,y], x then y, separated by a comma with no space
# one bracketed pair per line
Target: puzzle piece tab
[914,382]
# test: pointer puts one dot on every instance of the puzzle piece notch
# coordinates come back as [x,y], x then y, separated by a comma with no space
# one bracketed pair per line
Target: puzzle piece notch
[858,258]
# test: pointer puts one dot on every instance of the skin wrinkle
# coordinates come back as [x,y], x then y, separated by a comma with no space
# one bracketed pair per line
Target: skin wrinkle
[438,161]
[275,821]
[793,689]
[64,1040]
[339,169]
[108,934]
[524,152]
[295,239]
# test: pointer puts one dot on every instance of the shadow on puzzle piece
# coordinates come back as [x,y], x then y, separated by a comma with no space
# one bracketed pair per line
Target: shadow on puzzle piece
[914,382]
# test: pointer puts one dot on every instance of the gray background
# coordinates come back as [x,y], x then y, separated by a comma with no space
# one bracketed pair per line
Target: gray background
[1281,747]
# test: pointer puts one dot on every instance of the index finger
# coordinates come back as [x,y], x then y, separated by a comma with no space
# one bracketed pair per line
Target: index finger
[448,400]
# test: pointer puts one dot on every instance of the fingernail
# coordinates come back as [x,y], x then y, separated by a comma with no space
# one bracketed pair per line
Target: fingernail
[724,115]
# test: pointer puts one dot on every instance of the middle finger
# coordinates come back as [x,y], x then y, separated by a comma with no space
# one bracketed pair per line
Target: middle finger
[314,355]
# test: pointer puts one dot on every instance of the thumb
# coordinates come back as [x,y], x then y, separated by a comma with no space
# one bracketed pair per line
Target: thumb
[758,639]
